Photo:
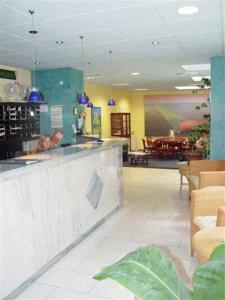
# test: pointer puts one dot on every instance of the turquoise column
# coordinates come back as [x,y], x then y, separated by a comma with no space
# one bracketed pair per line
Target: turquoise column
[217,139]
[60,87]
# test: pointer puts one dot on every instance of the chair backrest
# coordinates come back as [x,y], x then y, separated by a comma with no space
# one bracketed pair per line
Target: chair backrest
[197,166]
[212,178]
[144,143]
[206,201]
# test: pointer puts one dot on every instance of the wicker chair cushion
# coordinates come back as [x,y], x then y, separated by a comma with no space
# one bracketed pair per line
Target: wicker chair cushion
[204,222]
[195,181]
[214,187]
[204,241]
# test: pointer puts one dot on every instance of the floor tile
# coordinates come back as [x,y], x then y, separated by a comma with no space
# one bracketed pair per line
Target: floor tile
[67,280]
[72,295]
[37,292]
[112,290]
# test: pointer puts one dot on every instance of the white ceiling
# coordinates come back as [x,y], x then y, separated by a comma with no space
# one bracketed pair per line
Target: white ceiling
[127,27]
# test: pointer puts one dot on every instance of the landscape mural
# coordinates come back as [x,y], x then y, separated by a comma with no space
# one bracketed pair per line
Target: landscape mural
[163,113]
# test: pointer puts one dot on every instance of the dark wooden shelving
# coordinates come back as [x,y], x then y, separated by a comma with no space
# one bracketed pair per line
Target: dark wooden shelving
[19,121]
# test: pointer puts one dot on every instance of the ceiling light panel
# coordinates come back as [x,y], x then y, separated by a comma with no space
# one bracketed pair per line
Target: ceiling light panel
[197,67]
[121,84]
[199,78]
[188,10]
[169,9]
[188,87]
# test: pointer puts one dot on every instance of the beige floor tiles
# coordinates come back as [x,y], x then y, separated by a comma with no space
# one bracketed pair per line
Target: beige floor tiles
[153,214]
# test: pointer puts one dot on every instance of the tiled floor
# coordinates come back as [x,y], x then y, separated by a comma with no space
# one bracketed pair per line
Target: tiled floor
[153,214]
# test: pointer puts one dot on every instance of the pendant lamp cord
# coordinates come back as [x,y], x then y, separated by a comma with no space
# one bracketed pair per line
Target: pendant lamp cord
[89,70]
[82,57]
[34,45]
[111,70]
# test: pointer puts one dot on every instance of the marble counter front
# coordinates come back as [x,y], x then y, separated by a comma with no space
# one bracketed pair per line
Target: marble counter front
[48,207]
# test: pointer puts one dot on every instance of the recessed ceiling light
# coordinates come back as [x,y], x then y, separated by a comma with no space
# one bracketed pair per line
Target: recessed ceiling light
[135,73]
[188,87]
[59,42]
[33,31]
[188,10]
[197,67]
[121,84]
[37,62]
[199,78]
[141,89]
[155,43]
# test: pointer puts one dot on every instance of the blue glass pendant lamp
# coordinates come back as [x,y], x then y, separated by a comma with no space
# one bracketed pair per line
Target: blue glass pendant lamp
[34,94]
[82,99]
[90,105]
[111,102]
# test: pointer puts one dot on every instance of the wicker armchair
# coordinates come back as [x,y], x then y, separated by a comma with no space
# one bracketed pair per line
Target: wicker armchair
[215,176]
[208,201]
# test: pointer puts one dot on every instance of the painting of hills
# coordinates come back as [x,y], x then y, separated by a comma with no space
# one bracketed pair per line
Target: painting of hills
[173,112]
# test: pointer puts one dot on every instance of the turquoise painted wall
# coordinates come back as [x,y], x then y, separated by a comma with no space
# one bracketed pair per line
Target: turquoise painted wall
[48,81]
[217,138]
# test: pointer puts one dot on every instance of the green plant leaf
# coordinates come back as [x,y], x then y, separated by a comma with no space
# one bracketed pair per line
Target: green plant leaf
[149,274]
[209,279]
[219,251]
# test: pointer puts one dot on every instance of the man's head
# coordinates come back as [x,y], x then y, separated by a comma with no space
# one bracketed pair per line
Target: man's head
[45,142]
[205,134]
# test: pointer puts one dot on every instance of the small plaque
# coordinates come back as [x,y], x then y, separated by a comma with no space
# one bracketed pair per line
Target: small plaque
[94,190]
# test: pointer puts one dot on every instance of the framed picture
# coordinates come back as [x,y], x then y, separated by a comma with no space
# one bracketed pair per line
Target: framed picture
[96,120]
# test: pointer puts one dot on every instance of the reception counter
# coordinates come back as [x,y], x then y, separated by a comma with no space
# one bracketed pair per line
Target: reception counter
[50,202]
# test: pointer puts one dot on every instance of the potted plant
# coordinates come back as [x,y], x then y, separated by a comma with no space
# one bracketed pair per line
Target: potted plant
[150,275]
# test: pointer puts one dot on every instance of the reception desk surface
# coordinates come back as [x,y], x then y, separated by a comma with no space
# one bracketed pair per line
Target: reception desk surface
[50,203]
[55,156]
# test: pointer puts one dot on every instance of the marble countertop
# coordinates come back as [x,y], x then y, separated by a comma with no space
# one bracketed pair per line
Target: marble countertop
[32,162]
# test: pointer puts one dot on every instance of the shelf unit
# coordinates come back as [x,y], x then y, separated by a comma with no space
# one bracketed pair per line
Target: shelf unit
[120,125]
[19,122]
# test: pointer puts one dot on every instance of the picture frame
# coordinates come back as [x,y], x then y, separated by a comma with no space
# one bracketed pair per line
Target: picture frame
[96,120]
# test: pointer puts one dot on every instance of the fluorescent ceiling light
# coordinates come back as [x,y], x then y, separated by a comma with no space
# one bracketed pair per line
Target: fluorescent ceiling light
[197,67]
[121,84]
[188,10]
[135,73]
[94,76]
[199,78]
[141,89]
[188,87]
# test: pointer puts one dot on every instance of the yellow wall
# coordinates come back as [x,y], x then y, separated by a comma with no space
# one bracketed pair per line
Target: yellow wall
[23,76]
[99,96]
[126,101]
